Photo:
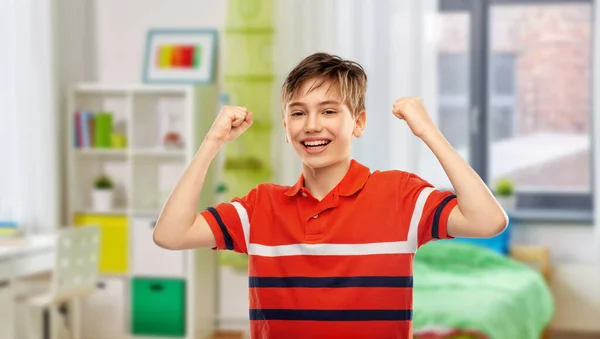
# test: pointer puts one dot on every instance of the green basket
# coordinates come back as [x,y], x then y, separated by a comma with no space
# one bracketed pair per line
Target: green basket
[254,143]
[249,53]
[258,95]
[249,14]
[241,181]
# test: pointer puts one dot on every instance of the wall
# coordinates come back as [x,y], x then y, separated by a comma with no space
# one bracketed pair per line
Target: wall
[576,271]
[121,28]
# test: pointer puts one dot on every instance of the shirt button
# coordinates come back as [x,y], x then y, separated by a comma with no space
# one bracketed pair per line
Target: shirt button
[304,194]
[315,216]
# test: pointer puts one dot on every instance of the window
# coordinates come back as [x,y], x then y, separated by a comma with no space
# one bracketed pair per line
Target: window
[514,97]
[454,97]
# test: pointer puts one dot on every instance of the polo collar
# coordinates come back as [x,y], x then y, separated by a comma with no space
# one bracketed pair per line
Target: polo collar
[353,181]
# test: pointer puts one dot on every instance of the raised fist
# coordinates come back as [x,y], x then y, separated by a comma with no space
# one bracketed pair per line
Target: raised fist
[231,122]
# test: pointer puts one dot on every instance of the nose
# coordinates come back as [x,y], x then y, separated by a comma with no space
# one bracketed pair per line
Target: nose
[312,124]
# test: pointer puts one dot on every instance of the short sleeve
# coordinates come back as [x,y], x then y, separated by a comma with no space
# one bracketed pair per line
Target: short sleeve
[230,222]
[426,208]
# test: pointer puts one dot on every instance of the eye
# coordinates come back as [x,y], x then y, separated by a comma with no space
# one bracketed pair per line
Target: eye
[297,113]
[330,111]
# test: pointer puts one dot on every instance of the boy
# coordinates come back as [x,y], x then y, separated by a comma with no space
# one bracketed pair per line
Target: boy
[331,256]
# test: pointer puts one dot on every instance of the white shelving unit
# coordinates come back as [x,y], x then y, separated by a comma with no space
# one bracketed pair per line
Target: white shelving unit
[136,274]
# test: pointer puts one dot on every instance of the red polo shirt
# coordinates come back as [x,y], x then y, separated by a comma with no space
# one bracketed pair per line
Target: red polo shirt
[341,267]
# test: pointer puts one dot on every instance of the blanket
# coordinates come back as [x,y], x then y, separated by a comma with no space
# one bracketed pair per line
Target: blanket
[464,289]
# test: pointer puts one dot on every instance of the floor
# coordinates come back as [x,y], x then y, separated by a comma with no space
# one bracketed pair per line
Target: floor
[565,335]
[555,335]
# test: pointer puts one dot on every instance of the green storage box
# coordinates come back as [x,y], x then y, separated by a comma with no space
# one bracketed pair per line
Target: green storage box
[158,307]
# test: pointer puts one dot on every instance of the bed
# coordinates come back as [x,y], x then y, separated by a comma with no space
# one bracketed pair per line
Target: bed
[466,291]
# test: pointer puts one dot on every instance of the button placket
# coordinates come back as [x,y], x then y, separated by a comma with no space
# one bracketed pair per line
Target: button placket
[308,208]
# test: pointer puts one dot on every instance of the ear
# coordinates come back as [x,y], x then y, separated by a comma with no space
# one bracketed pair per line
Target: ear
[285,131]
[361,120]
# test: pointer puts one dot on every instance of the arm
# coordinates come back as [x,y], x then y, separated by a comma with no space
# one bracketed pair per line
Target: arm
[179,226]
[477,214]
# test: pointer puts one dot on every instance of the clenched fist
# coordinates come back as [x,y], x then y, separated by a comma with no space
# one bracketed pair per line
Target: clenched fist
[412,110]
[231,122]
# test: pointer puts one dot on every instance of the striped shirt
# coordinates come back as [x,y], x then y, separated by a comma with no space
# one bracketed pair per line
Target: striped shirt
[341,267]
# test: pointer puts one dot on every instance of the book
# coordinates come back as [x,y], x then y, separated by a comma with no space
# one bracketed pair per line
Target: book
[103,129]
[93,129]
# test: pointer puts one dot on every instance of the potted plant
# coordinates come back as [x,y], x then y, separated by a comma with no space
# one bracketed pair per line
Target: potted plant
[102,194]
[505,194]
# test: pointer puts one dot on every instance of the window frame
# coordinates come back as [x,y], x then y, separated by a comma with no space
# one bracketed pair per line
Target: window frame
[549,206]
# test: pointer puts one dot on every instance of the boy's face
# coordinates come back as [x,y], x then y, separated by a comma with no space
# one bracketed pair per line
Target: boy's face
[319,126]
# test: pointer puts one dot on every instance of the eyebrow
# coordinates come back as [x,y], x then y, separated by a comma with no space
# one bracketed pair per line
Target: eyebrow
[329,102]
[296,103]
[324,103]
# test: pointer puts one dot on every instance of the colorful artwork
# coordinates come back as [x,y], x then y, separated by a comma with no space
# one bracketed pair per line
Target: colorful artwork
[180,56]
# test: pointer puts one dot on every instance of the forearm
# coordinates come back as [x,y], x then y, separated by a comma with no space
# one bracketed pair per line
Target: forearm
[475,201]
[179,212]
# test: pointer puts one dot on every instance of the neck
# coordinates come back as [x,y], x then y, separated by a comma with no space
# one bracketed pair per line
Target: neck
[320,181]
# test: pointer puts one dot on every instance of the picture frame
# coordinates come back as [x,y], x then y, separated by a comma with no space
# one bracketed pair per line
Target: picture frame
[180,56]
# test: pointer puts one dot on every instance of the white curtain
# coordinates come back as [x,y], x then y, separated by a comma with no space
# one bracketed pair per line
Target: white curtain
[28,116]
[394,40]
[596,125]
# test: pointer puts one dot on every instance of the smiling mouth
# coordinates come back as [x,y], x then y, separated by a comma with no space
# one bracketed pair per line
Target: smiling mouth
[316,144]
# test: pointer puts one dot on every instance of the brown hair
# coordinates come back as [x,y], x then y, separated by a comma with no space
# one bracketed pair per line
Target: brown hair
[348,76]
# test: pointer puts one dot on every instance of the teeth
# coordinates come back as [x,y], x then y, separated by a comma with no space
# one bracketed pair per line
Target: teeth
[316,143]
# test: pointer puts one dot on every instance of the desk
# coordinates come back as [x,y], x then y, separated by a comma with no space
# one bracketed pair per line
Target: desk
[26,256]
[21,257]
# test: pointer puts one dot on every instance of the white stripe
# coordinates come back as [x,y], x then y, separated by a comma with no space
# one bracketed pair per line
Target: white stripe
[397,247]
[243,214]
[331,249]
[416,217]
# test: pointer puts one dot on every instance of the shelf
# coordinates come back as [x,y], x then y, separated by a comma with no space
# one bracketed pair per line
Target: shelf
[176,153]
[116,211]
[99,122]
[153,181]
[88,166]
[159,117]
[142,137]
[146,213]
[144,152]
[100,152]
